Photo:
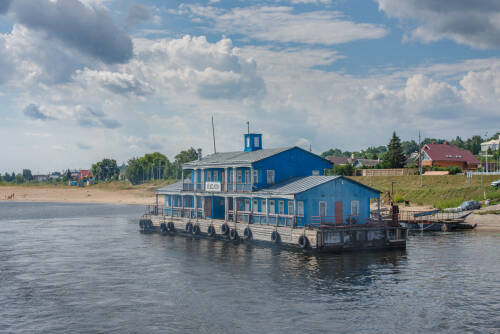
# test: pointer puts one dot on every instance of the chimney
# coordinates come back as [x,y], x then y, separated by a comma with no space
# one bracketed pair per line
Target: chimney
[446,143]
[199,154]
[433,142]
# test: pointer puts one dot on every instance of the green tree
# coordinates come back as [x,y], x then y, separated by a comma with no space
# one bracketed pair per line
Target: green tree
[150,166]
[104,170]
[458,142]
[182,158]
[474,144]
[346,170]
[409,147]
[19,179]
[27,175]
[394,157]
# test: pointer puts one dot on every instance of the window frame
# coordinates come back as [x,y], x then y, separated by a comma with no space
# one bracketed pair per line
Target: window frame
[291,205]
[239,176]
[263,206]
[246,201]
[247,176]
[255,176]
[319,208]
[271,176]
[281,207]
[255,205]
[272,205]
[256,141]
[356,202]
[300,208]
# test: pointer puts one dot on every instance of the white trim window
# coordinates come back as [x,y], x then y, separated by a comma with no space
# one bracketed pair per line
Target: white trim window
[256,142]
[270,176]
[281,207]
[355,208]
[209,176]
[322,209]
[239,176]
[247,205]
[300,208]
[255,205]
[315,172]
[271,207]
[255,176]
[291,209]
[247,176]
[216,176]
[263,207]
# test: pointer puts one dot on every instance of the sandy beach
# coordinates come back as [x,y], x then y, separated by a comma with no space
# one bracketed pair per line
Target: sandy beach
[77,195]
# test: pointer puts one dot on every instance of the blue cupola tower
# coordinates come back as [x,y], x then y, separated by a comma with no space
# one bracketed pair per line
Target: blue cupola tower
[253,142]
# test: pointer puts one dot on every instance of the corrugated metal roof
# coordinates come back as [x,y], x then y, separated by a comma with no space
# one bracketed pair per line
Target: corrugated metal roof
[297,185]
[235,158]
[175,187]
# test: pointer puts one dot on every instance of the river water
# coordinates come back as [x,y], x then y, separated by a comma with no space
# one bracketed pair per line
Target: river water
[67,268]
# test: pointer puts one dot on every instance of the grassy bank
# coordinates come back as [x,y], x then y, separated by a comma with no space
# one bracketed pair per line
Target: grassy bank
[439,191]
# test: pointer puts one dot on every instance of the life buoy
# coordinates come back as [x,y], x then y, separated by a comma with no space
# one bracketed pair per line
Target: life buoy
[233,234]
[211,231]
[196,230]
[303,242]
[171,227]
[275,237]
[189,227]
[163,228]
[224,229]
[247,234]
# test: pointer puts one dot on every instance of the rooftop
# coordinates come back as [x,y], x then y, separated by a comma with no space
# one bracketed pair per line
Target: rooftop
[449,152]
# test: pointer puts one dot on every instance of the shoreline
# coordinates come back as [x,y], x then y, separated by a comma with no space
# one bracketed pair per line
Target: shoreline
[144,195]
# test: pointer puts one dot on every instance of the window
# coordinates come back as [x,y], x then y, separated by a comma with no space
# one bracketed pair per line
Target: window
[255,205]
[255,176]
[239,177]
[247,176]
[248,141]
[354,208]
[247,204]
[263,206]
[209,176]
[216,175]
[281,207]
[300,208]
[315,172]
[291,210]
[256,142]
[271,207]
[322,209]
[270,176]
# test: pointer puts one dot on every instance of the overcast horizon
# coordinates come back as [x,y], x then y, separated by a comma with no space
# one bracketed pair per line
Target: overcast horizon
[81,80]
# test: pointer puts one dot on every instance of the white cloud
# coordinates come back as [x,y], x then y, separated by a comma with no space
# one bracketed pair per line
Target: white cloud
[473,23]
[282,24]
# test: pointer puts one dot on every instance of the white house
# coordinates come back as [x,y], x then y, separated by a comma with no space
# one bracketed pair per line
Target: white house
[493,144]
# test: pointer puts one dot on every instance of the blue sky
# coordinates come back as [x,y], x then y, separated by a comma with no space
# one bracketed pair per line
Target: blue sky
[81,80]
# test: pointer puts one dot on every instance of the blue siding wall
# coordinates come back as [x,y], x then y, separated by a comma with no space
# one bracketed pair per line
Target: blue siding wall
[341,189]
[294,162]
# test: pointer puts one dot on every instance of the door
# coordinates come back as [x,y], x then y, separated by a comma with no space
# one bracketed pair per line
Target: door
[208,207]
[339,217]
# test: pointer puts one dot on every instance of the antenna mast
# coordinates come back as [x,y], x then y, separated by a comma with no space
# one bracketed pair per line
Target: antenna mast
[248,127]
[213,134]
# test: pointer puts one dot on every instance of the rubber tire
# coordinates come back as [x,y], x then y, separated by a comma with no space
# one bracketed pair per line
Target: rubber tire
[141,224]
[224,229]
[303,242]
[275,237]
[211,231]
[188,228]
[170,227]
[233,234]
[247,234]
[444,228]
[195,230]
[163,228]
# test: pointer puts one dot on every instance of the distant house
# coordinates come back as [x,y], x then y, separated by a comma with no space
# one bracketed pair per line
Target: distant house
[492,144]
[365,163]
[338,160]
[448,155]
[40,178]
[86,176]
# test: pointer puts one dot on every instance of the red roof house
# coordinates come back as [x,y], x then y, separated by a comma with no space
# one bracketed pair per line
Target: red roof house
[447,155]
[85,174]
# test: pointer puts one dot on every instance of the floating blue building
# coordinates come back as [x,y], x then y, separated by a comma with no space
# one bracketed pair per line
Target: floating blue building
[279,195]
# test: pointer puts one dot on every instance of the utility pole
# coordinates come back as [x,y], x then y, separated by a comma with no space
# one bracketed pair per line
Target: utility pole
[213,134]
